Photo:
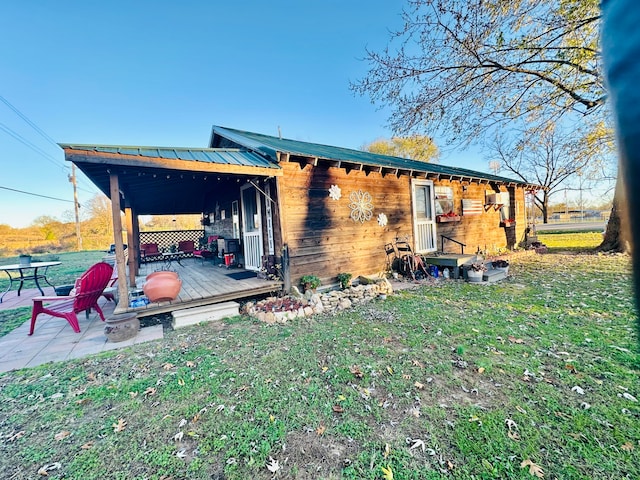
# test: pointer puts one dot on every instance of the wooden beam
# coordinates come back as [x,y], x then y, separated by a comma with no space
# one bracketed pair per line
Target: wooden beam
[129,216]
[101,158]
[123,291]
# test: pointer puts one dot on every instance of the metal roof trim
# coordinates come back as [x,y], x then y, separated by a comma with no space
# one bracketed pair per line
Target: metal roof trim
[226,156]
[267,143]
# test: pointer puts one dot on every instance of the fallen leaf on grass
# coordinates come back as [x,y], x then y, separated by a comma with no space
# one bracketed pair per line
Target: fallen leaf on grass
[387,450]
[47,468]
[120,426]
[475,418]
[91,377]
[178,437]
[320,430]
[481,370]
[578,390]
[338,409]
[168,366]
[190,364]
[571,368]
[273,466]
[511,425]
[182,453]
[133,394]
[418,385]
[417,443]
[62,435]
[83,401]
[150,391]
[12,437]
[521,410]
[390,370]
[535,470]
[181,382]
[627,447]
[387,472]
[87,446]
[355,370]
[513,339]
[417,363]
[513,435]
[628,396]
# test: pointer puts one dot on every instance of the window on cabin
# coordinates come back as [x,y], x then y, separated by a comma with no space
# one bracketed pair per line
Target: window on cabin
[443,200]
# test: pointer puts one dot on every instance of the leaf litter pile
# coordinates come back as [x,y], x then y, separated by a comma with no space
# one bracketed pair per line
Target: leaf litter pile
[532,377]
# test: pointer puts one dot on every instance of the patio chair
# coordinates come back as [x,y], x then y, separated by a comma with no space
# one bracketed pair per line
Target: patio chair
[89,288]
[149,252]
[110,290]
[186,246]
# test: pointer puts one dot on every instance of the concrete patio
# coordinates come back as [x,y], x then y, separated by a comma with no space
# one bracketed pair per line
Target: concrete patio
[54,340]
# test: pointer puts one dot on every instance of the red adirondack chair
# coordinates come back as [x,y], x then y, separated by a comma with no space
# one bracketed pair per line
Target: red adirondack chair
[88,290]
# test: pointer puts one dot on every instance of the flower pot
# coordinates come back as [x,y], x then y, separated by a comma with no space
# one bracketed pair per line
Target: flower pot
[474,276]
[121,327]
[162,286]
[25,260]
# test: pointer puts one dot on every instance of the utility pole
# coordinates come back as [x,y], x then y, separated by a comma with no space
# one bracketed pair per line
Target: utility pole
[76,206]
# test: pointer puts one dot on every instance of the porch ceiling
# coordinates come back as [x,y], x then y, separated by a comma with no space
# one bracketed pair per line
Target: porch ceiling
[157,181]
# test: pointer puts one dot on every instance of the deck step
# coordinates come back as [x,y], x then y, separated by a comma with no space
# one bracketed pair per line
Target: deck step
[205,313]
[493,275]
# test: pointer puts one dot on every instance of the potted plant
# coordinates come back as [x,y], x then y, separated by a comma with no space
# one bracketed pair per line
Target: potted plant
[475,271]
[345,280]
[24,259]
[502,265]
[310,282]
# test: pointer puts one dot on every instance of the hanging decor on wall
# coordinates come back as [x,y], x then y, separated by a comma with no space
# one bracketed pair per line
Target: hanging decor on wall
[361,206]
[335,193]
[382,220]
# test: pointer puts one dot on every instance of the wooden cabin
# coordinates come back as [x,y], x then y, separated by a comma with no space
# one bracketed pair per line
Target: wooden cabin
[309,208]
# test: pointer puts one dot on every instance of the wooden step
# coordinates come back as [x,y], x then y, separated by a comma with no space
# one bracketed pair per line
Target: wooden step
[206,313]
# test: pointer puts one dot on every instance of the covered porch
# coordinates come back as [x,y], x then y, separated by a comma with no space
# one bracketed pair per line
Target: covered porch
[203,283]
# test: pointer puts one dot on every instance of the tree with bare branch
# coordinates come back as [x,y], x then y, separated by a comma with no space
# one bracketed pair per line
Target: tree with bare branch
[465,70]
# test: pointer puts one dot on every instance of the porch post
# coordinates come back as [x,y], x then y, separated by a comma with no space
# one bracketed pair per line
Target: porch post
[123,291]
[135,241]
[284,250]
[128,215]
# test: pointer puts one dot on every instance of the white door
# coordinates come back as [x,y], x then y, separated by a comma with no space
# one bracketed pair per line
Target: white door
[251,227]
[424,221]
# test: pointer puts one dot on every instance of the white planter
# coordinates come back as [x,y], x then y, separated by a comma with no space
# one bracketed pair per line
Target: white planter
[474,276]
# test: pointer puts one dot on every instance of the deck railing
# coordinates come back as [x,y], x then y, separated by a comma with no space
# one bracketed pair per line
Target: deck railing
[167,239]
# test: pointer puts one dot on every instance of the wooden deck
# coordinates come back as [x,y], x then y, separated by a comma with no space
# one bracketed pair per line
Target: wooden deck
[203,283]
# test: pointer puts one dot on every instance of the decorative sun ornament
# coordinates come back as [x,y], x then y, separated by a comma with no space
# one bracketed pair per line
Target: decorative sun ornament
[335,193]
[361,206]
[382,220]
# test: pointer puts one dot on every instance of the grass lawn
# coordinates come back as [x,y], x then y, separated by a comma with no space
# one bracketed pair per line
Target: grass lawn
[73,265]
[532,377]
[570,241]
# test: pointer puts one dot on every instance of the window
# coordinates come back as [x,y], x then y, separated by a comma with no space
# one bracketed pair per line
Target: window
[443,200]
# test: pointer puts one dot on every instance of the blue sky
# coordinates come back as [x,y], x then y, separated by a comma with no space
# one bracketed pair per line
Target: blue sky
[163,72]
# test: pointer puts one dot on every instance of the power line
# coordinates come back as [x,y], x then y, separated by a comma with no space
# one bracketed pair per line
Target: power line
[33,147]
[33,125]
[36,194]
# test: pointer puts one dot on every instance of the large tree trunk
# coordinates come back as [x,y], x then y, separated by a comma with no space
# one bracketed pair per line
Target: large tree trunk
[616,235]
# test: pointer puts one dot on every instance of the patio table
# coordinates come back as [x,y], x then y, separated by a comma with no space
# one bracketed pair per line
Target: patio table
[24,274]
[168,257]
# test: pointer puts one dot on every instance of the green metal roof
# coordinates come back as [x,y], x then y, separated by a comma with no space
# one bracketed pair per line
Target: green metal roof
[228,156]
[269,145]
